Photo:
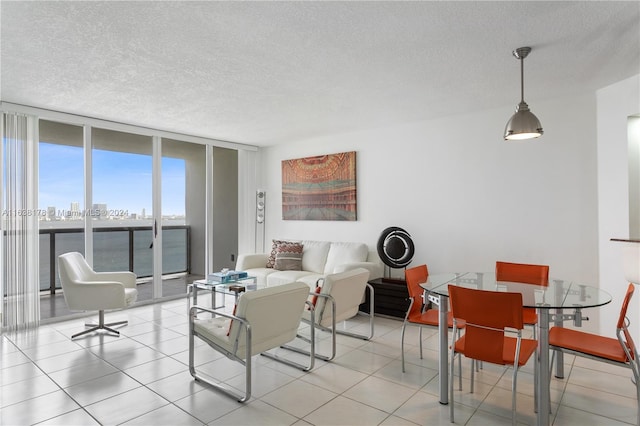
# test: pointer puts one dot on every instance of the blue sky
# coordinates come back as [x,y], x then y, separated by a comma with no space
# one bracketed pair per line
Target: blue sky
[120,180]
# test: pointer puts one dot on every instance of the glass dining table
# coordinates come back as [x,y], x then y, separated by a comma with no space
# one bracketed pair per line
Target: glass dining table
[560,301]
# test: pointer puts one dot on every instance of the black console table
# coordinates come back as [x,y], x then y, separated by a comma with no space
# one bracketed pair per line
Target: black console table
[391,297]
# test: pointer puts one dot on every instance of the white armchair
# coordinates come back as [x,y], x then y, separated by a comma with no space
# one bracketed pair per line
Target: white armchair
[84,289]
[264,319]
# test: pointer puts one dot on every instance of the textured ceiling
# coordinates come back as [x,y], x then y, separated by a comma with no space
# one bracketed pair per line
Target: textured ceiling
[264,73]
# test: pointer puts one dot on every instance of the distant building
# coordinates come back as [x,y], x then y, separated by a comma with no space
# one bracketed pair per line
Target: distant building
[99,211]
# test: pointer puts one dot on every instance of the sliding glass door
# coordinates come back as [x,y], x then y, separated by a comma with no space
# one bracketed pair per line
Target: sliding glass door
[60,198]
[121,210]
[184,186]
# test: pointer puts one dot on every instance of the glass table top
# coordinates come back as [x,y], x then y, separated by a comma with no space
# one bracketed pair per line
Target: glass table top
[249,284]
[558,294]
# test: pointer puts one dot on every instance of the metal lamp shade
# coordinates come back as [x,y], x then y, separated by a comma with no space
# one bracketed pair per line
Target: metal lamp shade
[523,124]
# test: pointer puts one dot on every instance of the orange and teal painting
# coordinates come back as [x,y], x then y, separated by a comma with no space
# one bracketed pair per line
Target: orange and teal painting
[320,188]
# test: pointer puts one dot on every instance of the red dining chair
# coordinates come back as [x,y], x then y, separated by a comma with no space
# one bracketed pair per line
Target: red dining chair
[419,313]
[528,274]
[618,351]
[489,317]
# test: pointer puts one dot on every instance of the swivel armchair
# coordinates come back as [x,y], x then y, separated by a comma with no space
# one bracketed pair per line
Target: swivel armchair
[84,290]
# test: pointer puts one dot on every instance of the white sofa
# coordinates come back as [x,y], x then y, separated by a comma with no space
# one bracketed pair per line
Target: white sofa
[319,258]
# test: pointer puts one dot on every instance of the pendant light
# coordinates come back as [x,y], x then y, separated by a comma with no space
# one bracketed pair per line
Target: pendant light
[523,124]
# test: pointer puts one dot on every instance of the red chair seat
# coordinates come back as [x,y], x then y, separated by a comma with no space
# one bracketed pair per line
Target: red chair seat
[431,317]
[587,343]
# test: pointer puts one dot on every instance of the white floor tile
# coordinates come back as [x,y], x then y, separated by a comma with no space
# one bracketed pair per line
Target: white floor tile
[264,380]
[137,329]
[18,373]
[38,409]
[344,411]
[102,388]
[127,359]
[334,377]
[425,409]
[7,346]
[382,394]
[77,417]
[498,402]
[52,349]
[126,406]
[601,403]
[250,413]
[414,376]
[155,370]
[172,346]
[39,337]
[157,336]
[84,372]
[363,361]
[68,360]
[603,380]
[26,389]
[207,405]
[397,421]
[168,415]
[567,416]
[299,398]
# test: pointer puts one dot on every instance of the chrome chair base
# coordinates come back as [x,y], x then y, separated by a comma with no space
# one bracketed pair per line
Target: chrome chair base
[101,326]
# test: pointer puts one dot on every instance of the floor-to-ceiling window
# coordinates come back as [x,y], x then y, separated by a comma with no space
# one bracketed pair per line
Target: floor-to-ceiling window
[133,191]
[60,202]
[122,204]
[184,187]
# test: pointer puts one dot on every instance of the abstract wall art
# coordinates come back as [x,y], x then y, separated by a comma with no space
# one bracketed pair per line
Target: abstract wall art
[320,188]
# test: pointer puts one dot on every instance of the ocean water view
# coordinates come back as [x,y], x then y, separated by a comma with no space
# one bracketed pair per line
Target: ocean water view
[111,248]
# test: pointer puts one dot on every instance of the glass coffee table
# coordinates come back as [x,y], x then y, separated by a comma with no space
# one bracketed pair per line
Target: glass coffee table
[233,288]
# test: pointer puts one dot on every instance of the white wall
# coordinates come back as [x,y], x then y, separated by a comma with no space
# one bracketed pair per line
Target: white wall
[615,104]
[633,125]
[466,196]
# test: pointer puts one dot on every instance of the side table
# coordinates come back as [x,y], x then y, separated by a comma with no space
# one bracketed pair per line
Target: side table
[233,288]
[392,297]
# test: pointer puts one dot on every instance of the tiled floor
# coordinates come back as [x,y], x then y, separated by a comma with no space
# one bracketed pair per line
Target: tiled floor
[142,378]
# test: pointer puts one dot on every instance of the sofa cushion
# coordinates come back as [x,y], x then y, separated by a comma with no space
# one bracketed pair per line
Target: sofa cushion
[311,280]
[275,245]
[285,277]
[342,252]
[289,257]
[314,255]
[261,275]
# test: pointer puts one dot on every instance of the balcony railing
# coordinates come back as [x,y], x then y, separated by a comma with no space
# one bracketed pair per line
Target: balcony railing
[116,249]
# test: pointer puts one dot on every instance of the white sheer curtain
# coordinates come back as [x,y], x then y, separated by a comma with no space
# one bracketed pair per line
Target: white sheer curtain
[19,263]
